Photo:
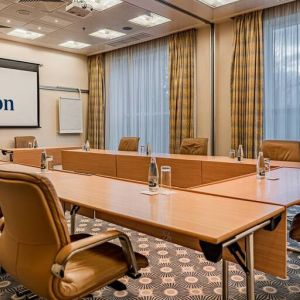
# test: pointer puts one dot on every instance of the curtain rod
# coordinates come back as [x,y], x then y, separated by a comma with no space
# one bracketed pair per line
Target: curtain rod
[62,89]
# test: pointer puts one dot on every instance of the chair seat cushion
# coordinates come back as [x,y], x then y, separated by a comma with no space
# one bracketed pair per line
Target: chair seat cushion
[94,268]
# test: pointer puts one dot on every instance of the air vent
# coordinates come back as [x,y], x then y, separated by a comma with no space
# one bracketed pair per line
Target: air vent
[46,6]
[131,39]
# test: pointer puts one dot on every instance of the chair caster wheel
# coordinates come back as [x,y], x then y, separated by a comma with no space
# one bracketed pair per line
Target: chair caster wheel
[118,286]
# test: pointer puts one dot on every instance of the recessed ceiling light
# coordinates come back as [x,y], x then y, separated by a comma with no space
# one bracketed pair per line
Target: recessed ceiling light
[217,3]
[107,34]
[74,45]
[56,21]
[101,5]
[39,28]
[7,21]
[25,34]
[149,20]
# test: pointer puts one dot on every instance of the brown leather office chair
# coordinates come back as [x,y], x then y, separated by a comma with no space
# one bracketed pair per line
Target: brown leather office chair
[197,146]
[36,249]
[295,228]
[23,141]
[1,221]
[281,150]
[129,144]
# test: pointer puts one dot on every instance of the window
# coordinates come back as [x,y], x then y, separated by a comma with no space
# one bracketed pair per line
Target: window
[282,73]
[137,86]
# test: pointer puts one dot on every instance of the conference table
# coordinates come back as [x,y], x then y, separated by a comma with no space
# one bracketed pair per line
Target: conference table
[280,187]
[187,170]
[220,227]
[32,156]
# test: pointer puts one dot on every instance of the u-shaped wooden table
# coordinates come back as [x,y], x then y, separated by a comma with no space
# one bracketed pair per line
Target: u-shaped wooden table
[202,222]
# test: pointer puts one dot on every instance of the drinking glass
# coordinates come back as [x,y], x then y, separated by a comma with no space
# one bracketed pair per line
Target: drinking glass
[232,153]
[165,179]
[267,166]
[142,149]
[29,145]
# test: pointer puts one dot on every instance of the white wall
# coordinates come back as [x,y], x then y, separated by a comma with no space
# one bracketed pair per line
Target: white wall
[203,86]
[223,56]
[59,69]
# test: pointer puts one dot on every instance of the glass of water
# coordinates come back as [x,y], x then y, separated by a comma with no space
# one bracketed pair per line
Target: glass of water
[232,153]
[267,166]
[165,179]
[142,151]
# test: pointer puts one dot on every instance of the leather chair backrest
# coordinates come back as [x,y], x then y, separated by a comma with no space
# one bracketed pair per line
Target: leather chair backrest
[129,144]
[197,146]
[35,228]
[23,141]
[281,150]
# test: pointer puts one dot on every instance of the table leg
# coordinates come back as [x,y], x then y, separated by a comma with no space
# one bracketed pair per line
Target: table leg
[292,249]
[250,266]
[225,283]
[73,213]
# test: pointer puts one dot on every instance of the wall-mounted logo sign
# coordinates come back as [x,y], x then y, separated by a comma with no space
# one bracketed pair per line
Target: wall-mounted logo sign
[7,104]
[19,94]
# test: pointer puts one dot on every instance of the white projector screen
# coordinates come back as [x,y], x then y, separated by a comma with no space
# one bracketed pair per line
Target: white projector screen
[19,94]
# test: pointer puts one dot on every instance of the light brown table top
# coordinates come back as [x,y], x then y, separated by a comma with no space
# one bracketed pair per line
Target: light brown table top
[38,148]
[208,218]
[285,191]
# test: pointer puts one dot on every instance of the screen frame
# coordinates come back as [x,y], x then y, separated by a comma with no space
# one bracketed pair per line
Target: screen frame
[24,66]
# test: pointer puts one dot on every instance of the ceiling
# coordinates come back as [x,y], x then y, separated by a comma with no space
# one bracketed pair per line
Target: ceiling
[58,26]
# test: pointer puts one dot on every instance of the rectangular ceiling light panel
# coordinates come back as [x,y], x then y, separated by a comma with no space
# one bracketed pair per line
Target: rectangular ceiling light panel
[149,20]
[101,5]
[74,45]
[217,3]
[25,34]
[107,34]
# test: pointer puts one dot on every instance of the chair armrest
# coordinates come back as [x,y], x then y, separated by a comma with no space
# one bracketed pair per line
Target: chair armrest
[67,252]
[1,224]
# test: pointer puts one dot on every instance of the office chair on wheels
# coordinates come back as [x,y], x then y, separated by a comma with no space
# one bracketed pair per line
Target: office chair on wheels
[36,249]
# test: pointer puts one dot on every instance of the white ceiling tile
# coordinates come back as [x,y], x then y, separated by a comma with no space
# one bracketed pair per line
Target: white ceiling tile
[8,21]
[55,21]
[40,27]
[22,12]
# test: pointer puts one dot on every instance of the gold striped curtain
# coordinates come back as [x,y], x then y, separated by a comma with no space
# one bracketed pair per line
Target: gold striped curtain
[181,87]
[96,102]
[247,84]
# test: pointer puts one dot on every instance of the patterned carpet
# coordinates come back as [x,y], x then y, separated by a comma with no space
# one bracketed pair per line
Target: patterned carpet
[181,274]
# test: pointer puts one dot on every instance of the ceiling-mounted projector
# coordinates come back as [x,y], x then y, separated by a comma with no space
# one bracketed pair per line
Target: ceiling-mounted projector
[79,8]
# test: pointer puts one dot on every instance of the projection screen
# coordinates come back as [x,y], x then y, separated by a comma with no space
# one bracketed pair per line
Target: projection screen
[19,94]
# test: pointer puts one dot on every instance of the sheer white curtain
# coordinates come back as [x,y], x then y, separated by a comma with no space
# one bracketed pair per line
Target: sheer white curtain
[137,100]
[282,72]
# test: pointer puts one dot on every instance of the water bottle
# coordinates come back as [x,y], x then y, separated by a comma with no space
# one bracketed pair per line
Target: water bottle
[35,144]
[240,153]
[153,176]
[148,149]
[44,160]
[87,146]
[260,166]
